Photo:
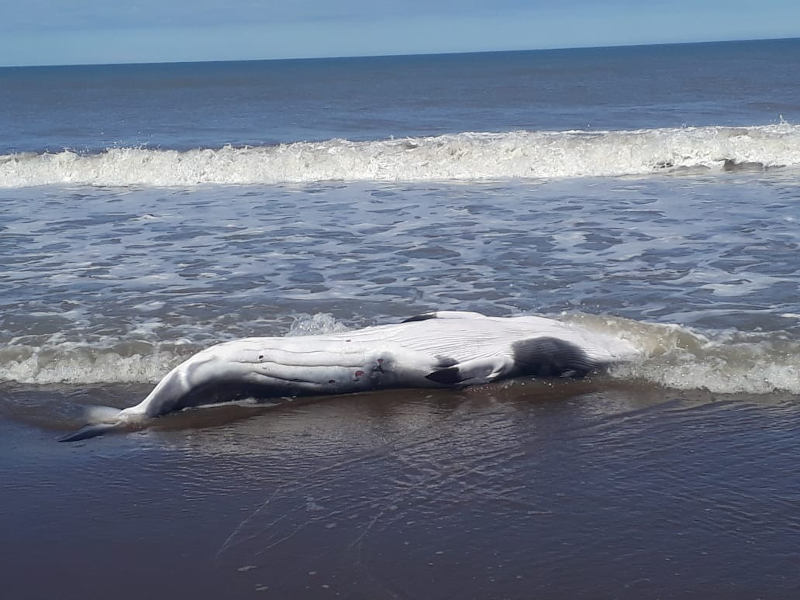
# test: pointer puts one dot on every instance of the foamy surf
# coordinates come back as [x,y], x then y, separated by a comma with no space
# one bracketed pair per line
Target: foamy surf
[463,156]
[724,362]
[675,357]
[82,364]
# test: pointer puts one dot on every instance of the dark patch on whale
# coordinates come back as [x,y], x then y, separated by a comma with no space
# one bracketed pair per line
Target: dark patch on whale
[550,357]
[422,317]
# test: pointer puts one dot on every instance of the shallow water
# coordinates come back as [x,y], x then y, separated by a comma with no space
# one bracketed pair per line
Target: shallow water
[116,285]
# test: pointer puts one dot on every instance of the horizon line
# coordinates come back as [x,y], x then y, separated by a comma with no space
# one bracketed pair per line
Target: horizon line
[404,54]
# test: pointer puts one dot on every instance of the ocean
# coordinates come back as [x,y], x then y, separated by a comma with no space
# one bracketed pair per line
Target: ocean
[149,211]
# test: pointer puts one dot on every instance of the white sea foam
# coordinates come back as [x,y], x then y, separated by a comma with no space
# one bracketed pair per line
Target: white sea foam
[464,156]
[316,324]
[68,363]
[722,362]
[672,356]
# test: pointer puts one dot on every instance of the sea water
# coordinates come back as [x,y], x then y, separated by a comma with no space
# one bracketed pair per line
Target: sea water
[149,211]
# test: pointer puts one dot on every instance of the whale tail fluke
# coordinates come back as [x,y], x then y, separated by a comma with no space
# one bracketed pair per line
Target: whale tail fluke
[90,431]
[101,420]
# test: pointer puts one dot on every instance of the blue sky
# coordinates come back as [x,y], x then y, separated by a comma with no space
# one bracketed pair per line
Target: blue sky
[45,32]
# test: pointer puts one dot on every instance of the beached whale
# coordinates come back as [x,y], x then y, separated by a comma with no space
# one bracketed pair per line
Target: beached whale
[441,349]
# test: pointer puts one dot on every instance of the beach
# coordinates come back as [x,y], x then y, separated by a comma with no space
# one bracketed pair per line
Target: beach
[650,193]
[569,490]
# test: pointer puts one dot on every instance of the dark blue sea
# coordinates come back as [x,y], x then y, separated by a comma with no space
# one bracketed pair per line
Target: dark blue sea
[148,211]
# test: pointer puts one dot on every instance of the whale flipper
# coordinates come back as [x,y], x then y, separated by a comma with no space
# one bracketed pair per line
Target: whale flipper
[446,376]
[471,372]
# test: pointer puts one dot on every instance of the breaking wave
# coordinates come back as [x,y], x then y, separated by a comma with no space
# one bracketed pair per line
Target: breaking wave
[674,357]
[724,362]
[463,156]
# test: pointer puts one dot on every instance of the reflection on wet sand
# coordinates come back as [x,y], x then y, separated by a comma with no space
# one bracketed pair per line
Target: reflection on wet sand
[573,489]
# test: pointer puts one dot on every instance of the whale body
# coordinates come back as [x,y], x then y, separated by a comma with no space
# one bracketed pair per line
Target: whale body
[439,349]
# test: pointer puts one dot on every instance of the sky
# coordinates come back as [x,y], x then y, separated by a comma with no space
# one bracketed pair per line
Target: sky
[50,32]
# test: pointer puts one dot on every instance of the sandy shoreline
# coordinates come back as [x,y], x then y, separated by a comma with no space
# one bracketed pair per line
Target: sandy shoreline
[583,490]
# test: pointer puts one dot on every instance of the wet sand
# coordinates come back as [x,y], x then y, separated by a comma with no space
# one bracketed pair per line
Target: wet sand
[522,490]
